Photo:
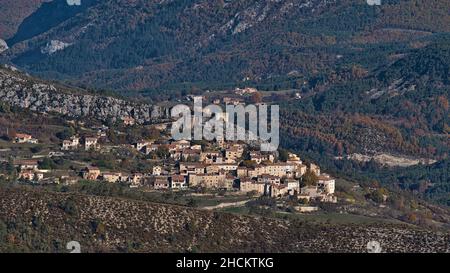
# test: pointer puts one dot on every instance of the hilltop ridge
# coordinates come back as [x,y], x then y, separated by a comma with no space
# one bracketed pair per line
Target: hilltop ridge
[22,91]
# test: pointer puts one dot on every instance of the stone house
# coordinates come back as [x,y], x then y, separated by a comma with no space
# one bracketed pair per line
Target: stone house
[91,173]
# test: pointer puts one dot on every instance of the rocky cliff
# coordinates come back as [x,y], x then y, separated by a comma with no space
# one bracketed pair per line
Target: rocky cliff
[22,91]
[3,46]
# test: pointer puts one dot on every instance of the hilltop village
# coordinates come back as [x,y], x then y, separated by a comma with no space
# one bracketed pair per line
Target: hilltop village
[230,166]
[113,153]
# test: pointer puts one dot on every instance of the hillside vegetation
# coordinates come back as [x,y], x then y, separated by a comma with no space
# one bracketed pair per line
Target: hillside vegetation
[147,45]
[45,222]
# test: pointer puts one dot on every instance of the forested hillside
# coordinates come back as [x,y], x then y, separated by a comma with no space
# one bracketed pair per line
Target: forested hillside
[147,45]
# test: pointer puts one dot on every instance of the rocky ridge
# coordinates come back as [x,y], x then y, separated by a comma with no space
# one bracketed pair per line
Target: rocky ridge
[24,92]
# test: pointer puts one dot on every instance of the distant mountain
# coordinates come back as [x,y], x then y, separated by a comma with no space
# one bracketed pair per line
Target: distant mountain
[141,45]
[48,15]
[13,12]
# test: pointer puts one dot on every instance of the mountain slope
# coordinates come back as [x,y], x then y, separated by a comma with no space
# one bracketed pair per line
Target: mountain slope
[384,77]
[151,40]
[12,13]
[47,16]
[400,108]
[414,86]
[154,44]
[105,224]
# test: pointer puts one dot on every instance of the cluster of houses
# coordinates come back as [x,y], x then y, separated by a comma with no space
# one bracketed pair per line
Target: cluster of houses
[73,143]
[94,173]
[231,166]
[29,170]
[224,165]
[89,143]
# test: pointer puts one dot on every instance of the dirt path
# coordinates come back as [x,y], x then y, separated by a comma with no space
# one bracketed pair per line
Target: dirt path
[226,205]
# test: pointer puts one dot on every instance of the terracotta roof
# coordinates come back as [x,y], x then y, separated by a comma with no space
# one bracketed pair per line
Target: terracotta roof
[23,136]
[178,178]
[25,162]
[161,180]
